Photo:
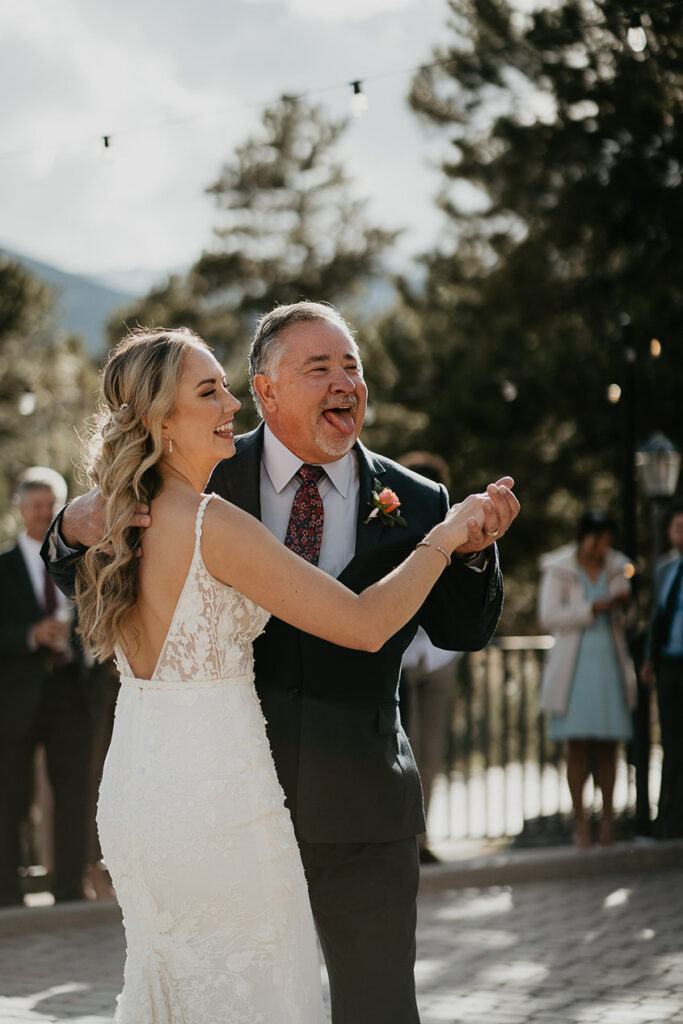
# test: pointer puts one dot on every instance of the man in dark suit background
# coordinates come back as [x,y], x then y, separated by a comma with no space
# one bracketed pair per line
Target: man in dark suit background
[664,666]
[341,754]
[42,697]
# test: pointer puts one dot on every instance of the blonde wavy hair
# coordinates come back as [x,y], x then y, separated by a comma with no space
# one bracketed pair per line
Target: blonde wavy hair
[137,393]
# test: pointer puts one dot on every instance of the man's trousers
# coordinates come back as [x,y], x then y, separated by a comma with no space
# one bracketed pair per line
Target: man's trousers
[363,897]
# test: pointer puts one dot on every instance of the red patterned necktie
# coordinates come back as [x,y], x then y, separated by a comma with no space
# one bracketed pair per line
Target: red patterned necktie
[49,593]
[305,527]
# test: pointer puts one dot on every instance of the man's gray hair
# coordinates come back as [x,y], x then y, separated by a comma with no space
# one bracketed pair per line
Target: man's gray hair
[265,352]
[42,478]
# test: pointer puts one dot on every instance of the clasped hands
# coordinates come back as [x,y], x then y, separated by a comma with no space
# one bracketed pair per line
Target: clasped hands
[500,508]
[607,605]
[52,633]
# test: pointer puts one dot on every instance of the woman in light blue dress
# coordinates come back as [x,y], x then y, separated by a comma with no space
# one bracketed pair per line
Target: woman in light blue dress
[589,681]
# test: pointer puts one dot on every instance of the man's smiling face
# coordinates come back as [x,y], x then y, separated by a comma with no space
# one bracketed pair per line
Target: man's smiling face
[315,401]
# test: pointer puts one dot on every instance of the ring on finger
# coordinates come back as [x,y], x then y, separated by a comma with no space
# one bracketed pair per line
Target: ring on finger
[492,533]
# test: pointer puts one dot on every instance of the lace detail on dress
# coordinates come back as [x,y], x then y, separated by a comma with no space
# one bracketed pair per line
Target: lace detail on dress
[195,833]
[212,631]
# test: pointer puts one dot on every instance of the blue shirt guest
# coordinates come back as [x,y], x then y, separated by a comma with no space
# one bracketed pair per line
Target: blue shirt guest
[665,664]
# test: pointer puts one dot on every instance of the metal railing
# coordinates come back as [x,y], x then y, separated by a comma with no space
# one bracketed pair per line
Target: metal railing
[503,776]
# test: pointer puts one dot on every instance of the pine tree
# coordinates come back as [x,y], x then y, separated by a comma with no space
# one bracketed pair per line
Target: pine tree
[47,386]
[289,228]
[562,200]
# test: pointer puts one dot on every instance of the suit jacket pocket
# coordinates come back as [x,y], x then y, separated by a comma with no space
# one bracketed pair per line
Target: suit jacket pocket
[388,719]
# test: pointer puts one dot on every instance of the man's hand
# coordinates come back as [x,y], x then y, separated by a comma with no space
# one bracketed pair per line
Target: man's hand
[52,633]
[83,521]
[500,509]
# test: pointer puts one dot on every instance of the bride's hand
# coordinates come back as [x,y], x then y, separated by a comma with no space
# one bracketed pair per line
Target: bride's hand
[481,519]
[453,531]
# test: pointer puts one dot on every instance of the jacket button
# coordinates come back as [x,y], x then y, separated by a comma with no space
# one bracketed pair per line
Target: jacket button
[293,692]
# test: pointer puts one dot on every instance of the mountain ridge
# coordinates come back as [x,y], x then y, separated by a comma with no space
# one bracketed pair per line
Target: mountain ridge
[83,305]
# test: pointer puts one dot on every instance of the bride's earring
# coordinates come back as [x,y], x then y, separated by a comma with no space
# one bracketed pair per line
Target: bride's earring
[170,445]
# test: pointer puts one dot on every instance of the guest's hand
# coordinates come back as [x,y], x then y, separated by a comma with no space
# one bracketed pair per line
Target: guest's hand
[607,605]
[51,633]
[500,510]
[84,521]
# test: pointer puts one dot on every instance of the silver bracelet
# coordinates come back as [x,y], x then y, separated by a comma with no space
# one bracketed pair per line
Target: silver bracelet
[428,544]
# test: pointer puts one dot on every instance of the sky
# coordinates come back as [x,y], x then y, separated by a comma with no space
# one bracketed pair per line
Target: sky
[72,71]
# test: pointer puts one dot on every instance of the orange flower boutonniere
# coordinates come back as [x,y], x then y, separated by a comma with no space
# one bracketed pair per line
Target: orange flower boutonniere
[385,505]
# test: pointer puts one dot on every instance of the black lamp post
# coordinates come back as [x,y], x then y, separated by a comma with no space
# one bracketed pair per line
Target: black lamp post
[658,463]
[628,394]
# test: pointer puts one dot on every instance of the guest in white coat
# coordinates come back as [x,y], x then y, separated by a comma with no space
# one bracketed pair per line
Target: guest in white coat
[589,681]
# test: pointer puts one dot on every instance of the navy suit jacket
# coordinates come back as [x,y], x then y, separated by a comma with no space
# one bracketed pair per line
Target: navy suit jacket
[662,579]
[341,754]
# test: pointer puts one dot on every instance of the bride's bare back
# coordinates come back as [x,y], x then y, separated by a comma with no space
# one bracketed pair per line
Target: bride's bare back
[167,547]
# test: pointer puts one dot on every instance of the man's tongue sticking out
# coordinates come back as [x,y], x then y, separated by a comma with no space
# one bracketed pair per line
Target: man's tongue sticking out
[342,419]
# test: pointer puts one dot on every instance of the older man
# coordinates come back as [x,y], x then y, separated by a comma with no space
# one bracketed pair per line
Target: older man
[342,757]
[43,697]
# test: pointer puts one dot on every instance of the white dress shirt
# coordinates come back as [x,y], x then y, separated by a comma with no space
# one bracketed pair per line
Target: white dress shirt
[30,549]
[339,491]
[423,655]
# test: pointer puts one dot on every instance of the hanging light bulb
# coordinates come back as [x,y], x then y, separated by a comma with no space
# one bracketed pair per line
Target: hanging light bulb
[635,36]
[359,101]
[108,151]
[27,403]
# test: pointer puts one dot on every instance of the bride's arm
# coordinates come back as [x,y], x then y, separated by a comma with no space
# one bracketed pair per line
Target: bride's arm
[240,551]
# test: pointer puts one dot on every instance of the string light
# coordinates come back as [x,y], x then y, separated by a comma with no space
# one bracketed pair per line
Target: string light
[359,100]
[635,36]
[613,393]
[655,348]
[27,403]
[508,390]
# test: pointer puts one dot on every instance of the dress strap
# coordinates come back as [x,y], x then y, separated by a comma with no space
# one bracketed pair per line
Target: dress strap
[200,518]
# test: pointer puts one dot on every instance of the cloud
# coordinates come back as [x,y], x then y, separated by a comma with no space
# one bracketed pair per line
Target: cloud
[178,86]
[340,10]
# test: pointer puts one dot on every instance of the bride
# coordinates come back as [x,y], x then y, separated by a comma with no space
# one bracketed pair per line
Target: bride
[191,815]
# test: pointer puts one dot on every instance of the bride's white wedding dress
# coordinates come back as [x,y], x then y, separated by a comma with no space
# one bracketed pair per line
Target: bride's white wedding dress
[195,833]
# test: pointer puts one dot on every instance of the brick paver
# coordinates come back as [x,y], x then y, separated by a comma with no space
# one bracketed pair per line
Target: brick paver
[601,950]
[605,950]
